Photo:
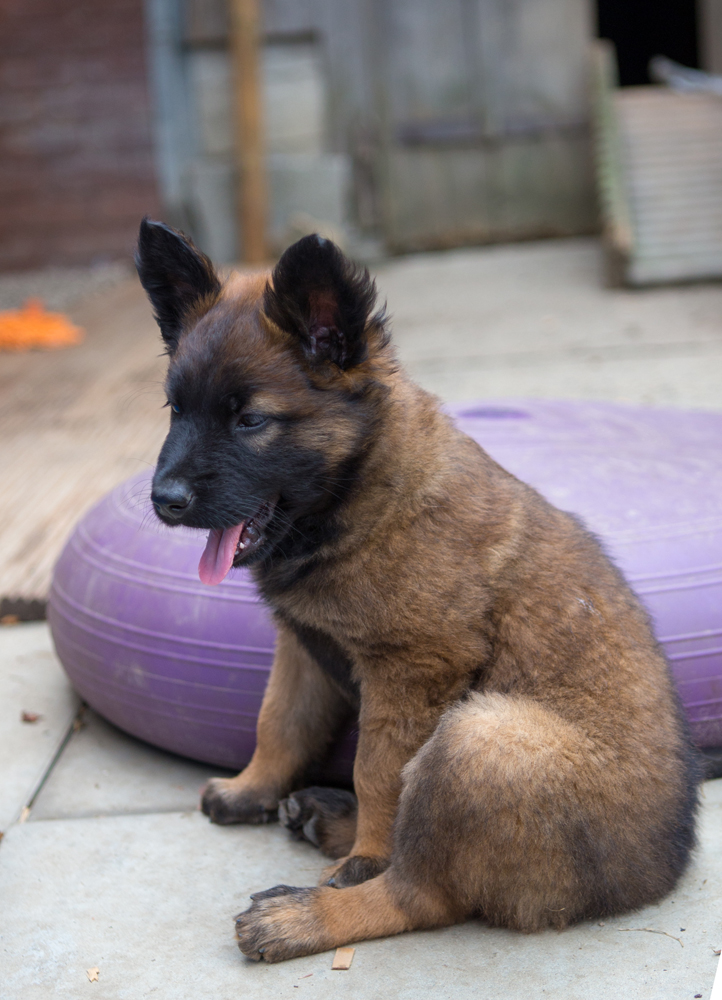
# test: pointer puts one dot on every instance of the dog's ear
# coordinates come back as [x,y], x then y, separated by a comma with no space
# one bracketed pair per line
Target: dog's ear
[324,299]
[176,276]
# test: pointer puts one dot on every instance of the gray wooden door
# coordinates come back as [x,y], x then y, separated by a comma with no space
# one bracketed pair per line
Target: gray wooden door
[461,121]
[483,107]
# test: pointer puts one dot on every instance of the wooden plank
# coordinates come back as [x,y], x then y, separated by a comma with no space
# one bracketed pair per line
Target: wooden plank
[506,84]
[73,424]
[245,27]
[343,958]
[520,189]
[617,230]
[429,71]
[533,60]
[671,160]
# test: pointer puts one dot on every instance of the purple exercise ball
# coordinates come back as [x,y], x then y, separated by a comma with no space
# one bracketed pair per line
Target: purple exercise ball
[184,666]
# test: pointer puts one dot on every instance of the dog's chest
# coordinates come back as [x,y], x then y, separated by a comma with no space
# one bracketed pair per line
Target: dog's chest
[328,654]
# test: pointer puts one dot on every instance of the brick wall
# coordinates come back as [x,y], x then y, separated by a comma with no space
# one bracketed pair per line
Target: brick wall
[77,169]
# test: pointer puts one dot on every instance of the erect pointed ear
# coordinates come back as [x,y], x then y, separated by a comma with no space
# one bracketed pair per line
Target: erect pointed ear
[324,299]
[175,274]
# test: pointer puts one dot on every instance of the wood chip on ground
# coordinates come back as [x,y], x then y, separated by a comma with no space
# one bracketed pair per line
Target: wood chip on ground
[343,958]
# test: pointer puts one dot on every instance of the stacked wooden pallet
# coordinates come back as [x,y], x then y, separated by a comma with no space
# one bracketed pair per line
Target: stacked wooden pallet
[659,168]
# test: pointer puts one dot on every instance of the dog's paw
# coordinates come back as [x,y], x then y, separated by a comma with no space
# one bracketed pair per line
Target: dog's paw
[224,802]
[325,817]
[352,871]
[282,923]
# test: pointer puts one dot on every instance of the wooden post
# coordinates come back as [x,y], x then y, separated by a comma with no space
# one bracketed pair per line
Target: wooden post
[252,192]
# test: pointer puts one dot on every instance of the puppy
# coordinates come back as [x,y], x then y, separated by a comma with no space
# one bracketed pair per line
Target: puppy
[522,755]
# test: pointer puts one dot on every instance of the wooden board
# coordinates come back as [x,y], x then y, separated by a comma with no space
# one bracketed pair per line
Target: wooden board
[343,958]
[73,424]
[659,175]
[484,116]
[672,158]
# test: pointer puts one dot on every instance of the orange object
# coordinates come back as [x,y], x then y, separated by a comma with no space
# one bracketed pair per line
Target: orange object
[33,327]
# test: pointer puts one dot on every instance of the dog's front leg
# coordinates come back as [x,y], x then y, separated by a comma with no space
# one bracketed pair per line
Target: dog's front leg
[391,730]
[299,716]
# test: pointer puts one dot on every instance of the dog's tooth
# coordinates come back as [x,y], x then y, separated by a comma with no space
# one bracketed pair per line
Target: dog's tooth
[252,532]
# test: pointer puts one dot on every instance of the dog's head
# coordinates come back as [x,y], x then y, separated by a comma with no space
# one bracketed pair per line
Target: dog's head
[274,389]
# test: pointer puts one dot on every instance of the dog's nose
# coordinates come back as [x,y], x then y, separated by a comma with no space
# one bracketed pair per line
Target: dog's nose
[172,499]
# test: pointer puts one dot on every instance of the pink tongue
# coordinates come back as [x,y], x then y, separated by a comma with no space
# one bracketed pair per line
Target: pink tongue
[218,554]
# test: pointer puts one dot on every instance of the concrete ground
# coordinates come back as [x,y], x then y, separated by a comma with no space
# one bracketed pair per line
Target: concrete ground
[114,868]
[106,862]
[534,320]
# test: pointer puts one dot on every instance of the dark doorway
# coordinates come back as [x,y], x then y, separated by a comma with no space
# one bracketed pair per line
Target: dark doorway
[641,29]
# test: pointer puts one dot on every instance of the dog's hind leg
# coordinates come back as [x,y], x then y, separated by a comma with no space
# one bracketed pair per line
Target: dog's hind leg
[520,815]
[299,716]
[325,817]
[509,812]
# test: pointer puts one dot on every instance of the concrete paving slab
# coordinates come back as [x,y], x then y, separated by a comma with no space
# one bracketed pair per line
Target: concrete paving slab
[103,772]
[31,680]
[534,319]
[149,900]
[684,382]
[106,876]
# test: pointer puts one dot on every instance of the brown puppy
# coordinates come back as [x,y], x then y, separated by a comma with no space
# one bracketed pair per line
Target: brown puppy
[521,755]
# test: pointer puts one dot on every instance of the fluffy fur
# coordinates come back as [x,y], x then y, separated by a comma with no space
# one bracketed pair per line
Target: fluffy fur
[522,754]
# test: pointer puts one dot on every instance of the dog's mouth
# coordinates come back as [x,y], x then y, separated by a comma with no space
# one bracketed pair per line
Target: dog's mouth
[227,547]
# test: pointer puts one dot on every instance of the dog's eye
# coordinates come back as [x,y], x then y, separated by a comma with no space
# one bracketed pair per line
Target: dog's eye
[176,409]
[251,421]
